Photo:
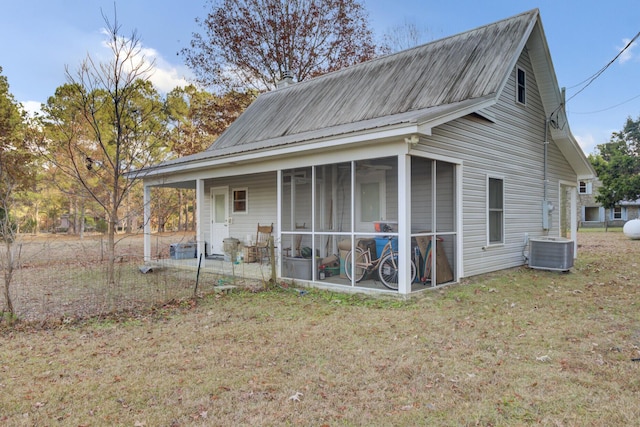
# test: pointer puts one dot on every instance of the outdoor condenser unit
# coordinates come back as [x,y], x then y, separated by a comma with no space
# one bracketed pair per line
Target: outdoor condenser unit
[551,253]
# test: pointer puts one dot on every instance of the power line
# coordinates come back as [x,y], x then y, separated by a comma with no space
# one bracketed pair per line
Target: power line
[602,70]
[608,108]
[590,80]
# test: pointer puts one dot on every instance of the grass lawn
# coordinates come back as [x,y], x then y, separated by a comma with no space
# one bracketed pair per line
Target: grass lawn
[518,347]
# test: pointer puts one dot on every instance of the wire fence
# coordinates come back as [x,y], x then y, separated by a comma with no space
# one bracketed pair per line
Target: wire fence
[59,277]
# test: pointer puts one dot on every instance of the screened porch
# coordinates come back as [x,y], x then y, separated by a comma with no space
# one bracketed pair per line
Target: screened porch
[399,212]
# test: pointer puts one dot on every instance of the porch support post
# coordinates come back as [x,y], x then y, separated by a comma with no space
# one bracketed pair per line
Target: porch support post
[404,223]
[459,224]
[146,200]
[199,215]
[279,253]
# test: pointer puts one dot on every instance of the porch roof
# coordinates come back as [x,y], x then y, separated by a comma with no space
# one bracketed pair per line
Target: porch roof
[428,84]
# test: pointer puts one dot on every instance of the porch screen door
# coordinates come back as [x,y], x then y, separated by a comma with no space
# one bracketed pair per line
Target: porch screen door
[219,218]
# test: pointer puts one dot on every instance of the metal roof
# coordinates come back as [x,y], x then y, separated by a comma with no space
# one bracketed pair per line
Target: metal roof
[412,86]
[466,66]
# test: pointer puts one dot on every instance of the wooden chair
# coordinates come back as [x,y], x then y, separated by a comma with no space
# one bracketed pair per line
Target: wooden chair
[263,236]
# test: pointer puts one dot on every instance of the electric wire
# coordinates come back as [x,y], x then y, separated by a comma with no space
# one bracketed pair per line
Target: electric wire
[597,74]
[603,69]
[608,108]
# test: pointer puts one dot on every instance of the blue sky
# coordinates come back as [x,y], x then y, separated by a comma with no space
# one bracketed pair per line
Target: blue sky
[41,37]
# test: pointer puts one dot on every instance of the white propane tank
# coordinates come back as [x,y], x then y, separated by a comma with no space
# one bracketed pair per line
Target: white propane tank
[631,229]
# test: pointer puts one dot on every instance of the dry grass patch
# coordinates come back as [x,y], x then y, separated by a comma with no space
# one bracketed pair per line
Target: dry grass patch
[60,276]
[520,347]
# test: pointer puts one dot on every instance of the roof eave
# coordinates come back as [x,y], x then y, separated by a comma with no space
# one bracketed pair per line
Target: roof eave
[215,159]
[553,101]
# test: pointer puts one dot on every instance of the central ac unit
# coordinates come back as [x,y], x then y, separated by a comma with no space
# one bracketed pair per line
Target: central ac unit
[551,253]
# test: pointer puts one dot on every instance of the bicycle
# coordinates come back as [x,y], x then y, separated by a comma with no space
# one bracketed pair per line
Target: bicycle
[387,265]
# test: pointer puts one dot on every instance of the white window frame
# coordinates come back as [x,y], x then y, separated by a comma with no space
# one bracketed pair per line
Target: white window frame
[521,88]
[371,177]
[620,215]
[489,210]
[584,187]
[246,201]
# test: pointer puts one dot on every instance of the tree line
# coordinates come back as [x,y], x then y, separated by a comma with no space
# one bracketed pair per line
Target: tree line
[77,158]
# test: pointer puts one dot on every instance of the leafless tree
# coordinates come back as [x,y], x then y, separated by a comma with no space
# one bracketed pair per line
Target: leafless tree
[253,43]
[406,35]
[106,122]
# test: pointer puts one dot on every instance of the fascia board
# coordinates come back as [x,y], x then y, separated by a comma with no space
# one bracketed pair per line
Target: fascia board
[395,132]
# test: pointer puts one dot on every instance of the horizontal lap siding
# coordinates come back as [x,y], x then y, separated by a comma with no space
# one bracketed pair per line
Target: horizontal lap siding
[511,148]
[262,203]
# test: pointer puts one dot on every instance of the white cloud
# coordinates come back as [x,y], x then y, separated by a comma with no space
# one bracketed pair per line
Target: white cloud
[32,107]
[164,75]
[627,55]
[587,142]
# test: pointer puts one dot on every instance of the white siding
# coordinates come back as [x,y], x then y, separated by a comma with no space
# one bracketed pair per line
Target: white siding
[512,148]
[261,208]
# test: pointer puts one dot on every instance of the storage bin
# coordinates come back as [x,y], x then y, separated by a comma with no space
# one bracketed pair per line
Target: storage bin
[182,250]
[382,241]
[296,268]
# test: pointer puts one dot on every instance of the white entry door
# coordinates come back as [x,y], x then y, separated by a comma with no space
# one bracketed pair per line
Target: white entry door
[219,218]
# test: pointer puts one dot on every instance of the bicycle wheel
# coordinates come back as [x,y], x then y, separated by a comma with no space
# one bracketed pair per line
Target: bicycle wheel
[388,272]
[361,262]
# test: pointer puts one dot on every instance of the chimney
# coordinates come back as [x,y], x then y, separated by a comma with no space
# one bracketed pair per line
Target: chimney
[287,79]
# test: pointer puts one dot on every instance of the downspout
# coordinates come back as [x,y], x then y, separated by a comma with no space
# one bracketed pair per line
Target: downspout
[546,153]
[545,201]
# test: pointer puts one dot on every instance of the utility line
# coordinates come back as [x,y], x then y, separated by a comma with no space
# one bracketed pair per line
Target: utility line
[602,70]
[608,108]
[590,80]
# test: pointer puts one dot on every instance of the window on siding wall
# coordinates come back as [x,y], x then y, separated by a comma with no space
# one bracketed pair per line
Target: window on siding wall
[584,187]
[521,86]
[240,200]
[496,210]
[617,213]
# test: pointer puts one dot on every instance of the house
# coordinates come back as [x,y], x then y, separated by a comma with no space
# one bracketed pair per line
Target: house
[463,141]
[592,214]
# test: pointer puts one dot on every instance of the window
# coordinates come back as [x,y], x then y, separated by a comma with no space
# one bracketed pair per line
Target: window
[592,213]
[496,211]
[240,202]
[370,198]
[616,213]
[521,85]
[584,187]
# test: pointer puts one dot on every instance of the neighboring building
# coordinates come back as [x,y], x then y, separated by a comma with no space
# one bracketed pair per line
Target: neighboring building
[464,140]
[592,214]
